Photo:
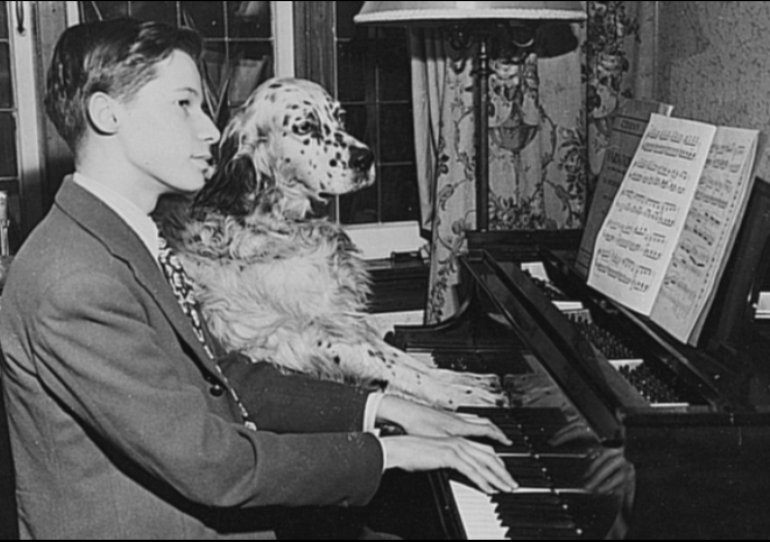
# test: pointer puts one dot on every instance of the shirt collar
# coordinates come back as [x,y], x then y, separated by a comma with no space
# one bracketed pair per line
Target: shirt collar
[136,219]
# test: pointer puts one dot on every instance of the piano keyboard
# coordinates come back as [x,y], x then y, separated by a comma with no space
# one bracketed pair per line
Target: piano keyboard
[525,514]
[550,503]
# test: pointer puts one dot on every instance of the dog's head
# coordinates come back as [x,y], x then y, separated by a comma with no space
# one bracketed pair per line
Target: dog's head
[284,149]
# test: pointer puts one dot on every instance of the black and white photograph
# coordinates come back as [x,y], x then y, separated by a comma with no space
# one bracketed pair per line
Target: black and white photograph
[384,270]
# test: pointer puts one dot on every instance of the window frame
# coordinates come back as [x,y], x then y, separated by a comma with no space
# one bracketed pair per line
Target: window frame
[303,46]
[29,150]
[315,59]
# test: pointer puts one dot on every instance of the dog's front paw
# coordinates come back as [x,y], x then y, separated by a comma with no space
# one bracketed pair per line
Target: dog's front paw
[489,382]
[458,395]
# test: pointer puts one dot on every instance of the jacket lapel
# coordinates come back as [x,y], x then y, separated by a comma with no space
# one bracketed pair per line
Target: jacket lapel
[123,243]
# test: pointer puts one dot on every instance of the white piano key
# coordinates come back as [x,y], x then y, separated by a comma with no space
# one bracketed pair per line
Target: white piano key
[477,513]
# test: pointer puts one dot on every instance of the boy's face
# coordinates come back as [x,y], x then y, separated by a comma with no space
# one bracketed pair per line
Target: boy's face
[164,133]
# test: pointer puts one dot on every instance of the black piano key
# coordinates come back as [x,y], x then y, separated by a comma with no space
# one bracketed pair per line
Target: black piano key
[529,533]
[513,509]
[541,500]
[560,524]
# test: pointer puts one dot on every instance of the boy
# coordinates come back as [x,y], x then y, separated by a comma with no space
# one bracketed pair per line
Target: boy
[122,424]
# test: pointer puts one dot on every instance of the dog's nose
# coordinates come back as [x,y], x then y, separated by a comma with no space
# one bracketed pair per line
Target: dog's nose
[361,158]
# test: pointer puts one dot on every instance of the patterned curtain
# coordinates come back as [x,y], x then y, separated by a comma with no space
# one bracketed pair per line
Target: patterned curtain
[548,126]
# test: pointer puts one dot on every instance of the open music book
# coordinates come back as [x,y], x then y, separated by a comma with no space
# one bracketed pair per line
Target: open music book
[664,243]
[628,125]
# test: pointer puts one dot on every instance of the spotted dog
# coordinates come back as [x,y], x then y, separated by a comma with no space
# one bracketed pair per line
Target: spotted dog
[278,285]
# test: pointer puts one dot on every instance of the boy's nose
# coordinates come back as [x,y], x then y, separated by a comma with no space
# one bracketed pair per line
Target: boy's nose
[208,130]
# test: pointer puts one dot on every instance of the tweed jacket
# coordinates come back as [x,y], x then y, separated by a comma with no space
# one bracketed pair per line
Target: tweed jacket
[119,427]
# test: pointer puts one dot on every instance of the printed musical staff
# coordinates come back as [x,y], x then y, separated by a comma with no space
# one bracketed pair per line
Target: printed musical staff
[674,216]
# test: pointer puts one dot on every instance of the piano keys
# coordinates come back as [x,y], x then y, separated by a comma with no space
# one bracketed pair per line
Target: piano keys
[529,514]
[551,501]
[698,440]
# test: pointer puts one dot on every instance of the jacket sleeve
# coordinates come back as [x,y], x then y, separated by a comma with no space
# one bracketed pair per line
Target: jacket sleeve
[292,402]
[101,360]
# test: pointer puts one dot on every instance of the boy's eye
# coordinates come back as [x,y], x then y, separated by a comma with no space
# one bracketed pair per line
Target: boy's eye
[184,103]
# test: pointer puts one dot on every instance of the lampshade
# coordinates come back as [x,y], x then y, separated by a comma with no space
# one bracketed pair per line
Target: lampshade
[431,13]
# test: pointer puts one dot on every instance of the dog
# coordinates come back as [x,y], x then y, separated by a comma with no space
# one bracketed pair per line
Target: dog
[278,285]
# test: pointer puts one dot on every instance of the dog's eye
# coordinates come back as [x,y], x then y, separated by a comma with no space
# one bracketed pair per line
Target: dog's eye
[304,127]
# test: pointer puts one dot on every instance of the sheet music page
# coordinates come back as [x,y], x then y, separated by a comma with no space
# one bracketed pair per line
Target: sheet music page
[627,129]
[709,232]
[642,228]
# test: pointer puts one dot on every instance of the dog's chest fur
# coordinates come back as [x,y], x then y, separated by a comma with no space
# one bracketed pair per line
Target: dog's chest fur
[257,276]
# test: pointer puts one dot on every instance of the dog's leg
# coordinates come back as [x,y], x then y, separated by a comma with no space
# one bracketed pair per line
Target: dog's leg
[403,376]
[489,381]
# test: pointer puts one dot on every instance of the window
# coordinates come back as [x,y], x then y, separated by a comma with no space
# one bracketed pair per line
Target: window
[20,165]
[374,86]
[237,42]
[367,69]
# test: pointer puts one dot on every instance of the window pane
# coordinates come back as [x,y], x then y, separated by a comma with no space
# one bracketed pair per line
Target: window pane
[253,64]
[374,86]
[400,200]
[154,11]
[249,20]
[208,18]
[237,42]
[351,67]
[396,133]
[346,28]
[213,65]
[356,123]
[3,20]
[8,136]
[6,90]
[395,82]
[98,11]
[359,207]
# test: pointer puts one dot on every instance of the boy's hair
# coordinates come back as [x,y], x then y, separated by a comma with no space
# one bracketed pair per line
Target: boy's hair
[117,57]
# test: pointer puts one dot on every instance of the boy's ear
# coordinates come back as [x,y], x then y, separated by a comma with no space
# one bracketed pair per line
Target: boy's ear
[102,113]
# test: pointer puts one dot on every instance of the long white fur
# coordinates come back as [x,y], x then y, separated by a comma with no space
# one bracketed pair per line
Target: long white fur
[281,287]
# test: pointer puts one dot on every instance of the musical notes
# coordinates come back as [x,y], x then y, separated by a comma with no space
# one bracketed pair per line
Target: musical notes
[629,125]
[673,218]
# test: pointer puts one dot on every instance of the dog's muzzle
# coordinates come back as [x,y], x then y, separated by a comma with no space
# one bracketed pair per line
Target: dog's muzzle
[361,159]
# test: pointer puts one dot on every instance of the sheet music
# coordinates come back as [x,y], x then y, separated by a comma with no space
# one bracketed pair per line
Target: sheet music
[642,227]
[699,259]
[627,129]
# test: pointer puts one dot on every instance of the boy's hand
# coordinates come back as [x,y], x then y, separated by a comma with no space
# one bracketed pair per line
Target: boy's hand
[425,421]
[475,461]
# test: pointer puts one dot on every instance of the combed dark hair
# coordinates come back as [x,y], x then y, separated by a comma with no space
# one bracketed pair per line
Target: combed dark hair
[116,56]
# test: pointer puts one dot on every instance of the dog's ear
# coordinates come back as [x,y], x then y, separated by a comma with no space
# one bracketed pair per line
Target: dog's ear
[231,190]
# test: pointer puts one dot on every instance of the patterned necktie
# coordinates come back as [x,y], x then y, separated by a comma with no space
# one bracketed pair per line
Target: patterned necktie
[182,286]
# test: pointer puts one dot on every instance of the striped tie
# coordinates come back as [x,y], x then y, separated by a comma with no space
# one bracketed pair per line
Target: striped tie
[182,286]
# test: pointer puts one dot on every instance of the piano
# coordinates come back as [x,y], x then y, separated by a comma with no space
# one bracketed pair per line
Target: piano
[598,380]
